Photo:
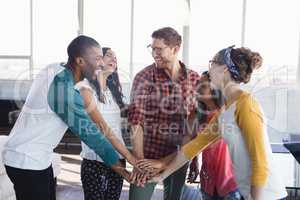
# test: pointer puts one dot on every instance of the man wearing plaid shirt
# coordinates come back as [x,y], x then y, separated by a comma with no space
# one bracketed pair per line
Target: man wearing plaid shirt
[162,97]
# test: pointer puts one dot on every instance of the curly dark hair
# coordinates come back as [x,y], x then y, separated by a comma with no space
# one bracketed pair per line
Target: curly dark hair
[245,60]
[217,99]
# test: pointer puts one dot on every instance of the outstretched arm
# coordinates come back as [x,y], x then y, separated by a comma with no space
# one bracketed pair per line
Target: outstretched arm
[136,117]
[204,139]
[91,108]
[68,104]
[155,166]
[176,164]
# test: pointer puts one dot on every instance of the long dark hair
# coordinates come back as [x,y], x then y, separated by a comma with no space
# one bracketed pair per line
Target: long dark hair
[217,98]
[114,85]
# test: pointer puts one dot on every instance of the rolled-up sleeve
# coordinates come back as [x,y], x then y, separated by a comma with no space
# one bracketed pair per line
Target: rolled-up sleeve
[67,103]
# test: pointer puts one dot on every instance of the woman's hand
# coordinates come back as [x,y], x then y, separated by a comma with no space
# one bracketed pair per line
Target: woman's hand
[141,175]
[121,170]
[127,176]
[132,160]
[151,165]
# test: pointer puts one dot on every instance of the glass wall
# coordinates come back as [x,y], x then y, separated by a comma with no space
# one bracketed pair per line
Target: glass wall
[15,38]
[214,25]
[271,27]
[150,16]
[109,23]
[55,24]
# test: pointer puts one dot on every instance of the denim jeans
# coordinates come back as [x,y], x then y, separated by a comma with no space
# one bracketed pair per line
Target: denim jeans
[234,195]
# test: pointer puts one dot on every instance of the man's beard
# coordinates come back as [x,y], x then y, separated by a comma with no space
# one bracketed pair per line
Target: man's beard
[89,74]
[162,64]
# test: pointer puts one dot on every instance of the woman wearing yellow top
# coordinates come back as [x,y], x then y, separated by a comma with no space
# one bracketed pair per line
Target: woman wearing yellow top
[242,125]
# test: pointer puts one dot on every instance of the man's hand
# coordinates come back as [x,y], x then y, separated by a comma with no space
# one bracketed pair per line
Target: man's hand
[120,169]
[150,169]
[151,165]
[138,177]
[127,176]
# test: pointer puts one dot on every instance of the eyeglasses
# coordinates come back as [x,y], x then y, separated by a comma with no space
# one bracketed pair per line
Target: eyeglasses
[157,50]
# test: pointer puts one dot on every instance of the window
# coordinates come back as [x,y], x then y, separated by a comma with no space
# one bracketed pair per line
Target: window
[150,16]
[15,39]
[55,25]
[109,23]
[275,34]
[214,25]
[14,69]
[15,27]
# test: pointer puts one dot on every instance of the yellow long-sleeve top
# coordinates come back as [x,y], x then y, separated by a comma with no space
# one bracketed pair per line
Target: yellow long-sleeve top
[243,128]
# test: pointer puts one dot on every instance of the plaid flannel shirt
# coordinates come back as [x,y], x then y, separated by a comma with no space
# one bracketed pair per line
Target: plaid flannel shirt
[161,106]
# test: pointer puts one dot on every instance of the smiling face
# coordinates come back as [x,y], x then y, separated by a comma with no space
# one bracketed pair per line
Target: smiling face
[207,95]
[204,89]
[217,73]
[110,61]
[162,53]
[90,62]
